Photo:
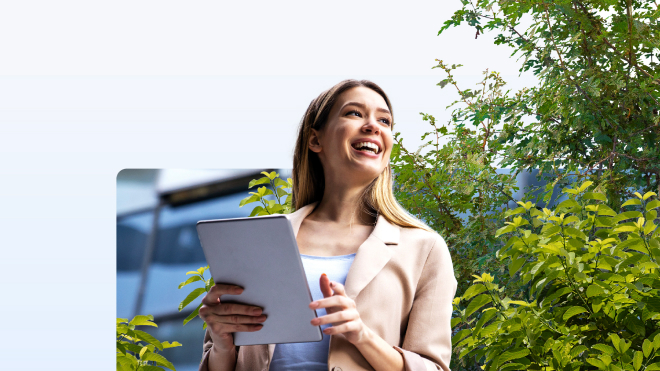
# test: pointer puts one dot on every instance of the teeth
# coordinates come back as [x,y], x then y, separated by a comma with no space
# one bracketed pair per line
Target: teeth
[369,145]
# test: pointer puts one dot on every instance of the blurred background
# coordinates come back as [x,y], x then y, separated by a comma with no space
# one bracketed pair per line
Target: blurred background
[157,243]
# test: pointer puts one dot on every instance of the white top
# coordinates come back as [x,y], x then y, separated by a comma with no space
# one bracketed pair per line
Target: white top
[313,356]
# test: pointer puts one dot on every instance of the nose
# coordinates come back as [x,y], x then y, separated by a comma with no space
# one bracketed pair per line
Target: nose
[371,126]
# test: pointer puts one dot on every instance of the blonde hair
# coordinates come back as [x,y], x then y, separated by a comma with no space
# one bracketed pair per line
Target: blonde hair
[308,178]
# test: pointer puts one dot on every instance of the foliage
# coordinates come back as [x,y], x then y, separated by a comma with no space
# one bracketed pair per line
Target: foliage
[455,186]
[592,290]
[594,111]
[280,205]
[137,350]
[593,115]
[278,191]
[197,276]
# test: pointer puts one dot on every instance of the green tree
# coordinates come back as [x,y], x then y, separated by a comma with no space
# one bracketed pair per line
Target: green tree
[593,115]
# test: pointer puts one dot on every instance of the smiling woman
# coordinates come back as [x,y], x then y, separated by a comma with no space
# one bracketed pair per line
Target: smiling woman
[382,281]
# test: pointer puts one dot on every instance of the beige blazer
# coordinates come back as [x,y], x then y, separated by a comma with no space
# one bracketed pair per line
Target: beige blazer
[403,284]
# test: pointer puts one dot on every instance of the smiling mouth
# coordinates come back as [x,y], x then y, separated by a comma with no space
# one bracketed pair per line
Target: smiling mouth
[368,147]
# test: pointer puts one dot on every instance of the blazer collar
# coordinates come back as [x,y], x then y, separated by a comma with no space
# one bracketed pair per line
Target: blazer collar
[372,255]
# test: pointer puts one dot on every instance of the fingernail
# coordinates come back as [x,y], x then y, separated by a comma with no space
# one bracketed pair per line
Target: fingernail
[238,290]
[323,274]
[332,284]
[326,331]
[313,304]
[256,311]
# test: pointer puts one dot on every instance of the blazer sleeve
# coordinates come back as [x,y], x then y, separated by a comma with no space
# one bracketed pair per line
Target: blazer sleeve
[208,344]
[427,342]
[206,350]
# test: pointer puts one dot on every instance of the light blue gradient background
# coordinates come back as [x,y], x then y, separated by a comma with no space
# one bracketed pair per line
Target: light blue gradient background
[87,90]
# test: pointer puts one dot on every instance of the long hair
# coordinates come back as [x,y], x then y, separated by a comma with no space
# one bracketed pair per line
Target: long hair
[308,178]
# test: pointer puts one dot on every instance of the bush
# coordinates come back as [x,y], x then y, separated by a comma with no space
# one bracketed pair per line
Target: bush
[138,350]
[590,290]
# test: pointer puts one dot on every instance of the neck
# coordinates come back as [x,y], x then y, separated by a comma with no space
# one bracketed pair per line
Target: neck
[341,204]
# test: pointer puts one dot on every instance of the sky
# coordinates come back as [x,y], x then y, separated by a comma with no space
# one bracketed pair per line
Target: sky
[90,88]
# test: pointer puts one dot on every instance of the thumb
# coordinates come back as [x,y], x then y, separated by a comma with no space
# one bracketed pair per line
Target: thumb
[324,282]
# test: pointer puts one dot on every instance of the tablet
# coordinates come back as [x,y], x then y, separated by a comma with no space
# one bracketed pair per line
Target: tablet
[261,255]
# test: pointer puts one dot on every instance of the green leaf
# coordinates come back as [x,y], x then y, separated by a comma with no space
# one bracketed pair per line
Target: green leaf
[511,355]
[615,341]
[121,348]
[141,320]
[257,210]
[648,194]
[637,360]
[585,185]
[190,280]
[606,349]
[281,192]
[192,315]
[653,367]
[259,181]
[576,351]
[249,200]
[160,360]
[515,265]
[505,229]
[594,196]
[281,183]
[647,347]
[572,311]
[652,205]
[568,204]
[632,201]
[594,290]
[149,339]
[477,303]
[473,291]
[192,296]
[174,344]
[128,361]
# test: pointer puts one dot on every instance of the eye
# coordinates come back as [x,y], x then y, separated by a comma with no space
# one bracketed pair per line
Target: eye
[386,121]
[354,112]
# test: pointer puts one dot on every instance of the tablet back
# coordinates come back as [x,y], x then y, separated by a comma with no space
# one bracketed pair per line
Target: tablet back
[261,255]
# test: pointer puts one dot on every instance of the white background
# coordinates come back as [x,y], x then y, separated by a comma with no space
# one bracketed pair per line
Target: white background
[88,88]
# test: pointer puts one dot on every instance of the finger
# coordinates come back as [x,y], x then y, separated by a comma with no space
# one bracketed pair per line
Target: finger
[239,320]
[333,301]
[324,282]
[223,328]
[336,318]
[340,329]
[233,308]
[229,309]
[338,288]
[219,289]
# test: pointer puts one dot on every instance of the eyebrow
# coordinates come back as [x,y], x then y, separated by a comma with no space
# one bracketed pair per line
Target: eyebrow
[365,107]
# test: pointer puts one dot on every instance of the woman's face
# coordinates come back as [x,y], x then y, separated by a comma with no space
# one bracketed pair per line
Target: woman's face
[357,139]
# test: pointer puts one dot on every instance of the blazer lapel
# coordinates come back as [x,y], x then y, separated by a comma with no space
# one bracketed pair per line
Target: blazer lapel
[371,257]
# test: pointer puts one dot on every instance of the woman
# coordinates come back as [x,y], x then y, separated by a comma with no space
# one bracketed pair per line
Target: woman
[387,303]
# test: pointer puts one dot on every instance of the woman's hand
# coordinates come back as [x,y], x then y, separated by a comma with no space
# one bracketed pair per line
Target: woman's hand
[341,312]
[223,319]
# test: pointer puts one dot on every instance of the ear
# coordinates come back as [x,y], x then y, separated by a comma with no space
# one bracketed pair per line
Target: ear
[314,141]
